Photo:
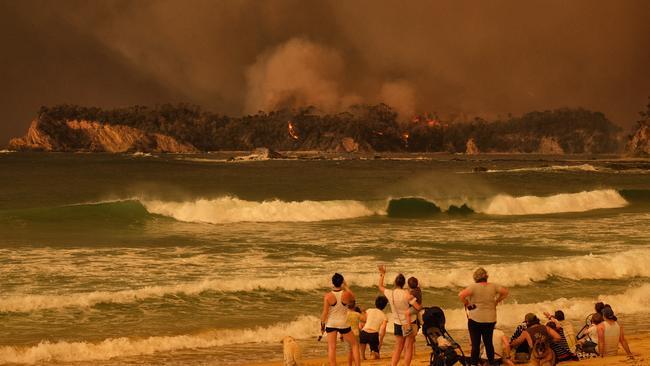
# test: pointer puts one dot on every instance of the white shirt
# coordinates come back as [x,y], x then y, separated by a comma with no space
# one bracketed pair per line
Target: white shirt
[374,319]
[399,304]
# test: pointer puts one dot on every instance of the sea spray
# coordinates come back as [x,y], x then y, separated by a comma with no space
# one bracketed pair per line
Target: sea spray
[230,209]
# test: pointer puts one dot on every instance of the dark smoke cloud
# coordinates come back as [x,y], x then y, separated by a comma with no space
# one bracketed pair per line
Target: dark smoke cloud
[451,57]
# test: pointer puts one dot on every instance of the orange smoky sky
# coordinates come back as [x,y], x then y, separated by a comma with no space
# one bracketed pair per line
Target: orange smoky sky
[484,58]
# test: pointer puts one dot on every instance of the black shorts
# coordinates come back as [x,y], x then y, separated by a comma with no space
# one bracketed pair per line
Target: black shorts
[370,338]
[340,330]
[397,330]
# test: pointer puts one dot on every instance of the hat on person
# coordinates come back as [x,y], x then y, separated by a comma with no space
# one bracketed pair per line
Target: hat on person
[480,275]
[608,313]
[531,318]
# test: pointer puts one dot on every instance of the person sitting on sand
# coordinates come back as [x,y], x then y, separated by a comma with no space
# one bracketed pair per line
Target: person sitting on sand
[501,349]
[374,328]
[588,343]
[565,328]
[610,334]
[534,330]
[561,348]
[399,300]
[522,352]
[334,319]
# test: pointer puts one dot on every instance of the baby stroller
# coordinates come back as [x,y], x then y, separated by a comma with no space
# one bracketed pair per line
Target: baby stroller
[443,346]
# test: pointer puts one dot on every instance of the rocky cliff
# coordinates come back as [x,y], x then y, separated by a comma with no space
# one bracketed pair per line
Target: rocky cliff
[639,143]
[95,137]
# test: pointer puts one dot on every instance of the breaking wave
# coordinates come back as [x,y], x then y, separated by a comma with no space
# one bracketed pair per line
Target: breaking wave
[63,351]
[554,168]
[560,203]
[625,265]
[227,209]
[231,209]
[304,327]
[507,205]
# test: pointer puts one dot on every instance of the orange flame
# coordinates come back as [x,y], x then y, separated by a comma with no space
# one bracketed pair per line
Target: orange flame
[405,136]
[292,131]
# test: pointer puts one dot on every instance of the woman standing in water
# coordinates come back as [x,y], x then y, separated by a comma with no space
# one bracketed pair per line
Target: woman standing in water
[399,300]
[480,300]
[334,319]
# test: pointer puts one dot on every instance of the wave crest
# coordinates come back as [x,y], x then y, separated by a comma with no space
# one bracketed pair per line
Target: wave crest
[627,264]
[301,328]
[231,209]
[560,203]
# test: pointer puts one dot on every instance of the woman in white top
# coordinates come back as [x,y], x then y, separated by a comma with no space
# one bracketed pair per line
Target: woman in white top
[610,334]
[334,319]
[399,300]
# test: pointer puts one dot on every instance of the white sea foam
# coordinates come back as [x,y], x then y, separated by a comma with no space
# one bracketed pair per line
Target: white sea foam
[231,209]
[62,351]
[554,168]
[623,265]
[5,151]
[566,202]
[632,301]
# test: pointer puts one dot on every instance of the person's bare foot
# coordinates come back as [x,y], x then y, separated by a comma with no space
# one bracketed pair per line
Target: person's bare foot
[375,355]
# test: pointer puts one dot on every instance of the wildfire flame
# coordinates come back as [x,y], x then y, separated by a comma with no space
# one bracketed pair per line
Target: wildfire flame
[405,136]
[292,131]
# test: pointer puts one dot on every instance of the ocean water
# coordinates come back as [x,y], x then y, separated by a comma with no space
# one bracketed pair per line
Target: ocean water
[169,259]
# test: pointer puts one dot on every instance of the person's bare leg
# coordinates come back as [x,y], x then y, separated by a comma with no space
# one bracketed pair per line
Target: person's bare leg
[354,347]
[331,348]
[397,352]
[408,349]
[362,351]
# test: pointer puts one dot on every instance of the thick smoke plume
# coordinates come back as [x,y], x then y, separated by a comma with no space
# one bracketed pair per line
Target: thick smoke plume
[451,57]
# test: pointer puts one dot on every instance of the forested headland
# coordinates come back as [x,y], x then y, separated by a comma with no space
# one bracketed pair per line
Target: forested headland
[361,128]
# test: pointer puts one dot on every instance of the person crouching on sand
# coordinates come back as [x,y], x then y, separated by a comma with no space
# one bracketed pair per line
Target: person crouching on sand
[399,299]
[480,300]
[334,319]
[374,328]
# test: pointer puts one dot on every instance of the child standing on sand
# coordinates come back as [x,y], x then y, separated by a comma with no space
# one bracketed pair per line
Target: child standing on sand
[354,316]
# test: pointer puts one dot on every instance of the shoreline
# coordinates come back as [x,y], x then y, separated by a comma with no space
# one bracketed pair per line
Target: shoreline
[639,344]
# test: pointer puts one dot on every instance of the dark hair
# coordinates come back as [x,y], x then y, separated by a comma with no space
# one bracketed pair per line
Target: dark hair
[357,309]
[599,306]
[400,280]
[597,318]
[337,280]
[533,321]
[380,302]
[352,305]
[559,315]
[413,282]
[551,325]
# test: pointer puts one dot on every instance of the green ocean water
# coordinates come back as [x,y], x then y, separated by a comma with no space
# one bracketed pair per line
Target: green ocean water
[171,259]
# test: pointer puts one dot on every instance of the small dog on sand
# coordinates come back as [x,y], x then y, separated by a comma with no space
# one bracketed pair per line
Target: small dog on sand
[292,354]
[542,354]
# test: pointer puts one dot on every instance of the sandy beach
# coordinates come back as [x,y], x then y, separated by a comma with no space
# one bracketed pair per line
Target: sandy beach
[639,344]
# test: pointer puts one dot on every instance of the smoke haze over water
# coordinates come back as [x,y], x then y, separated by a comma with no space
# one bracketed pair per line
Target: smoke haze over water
[477,58]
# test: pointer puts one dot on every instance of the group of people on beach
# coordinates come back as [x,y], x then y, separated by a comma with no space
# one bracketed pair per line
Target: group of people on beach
[341,317]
